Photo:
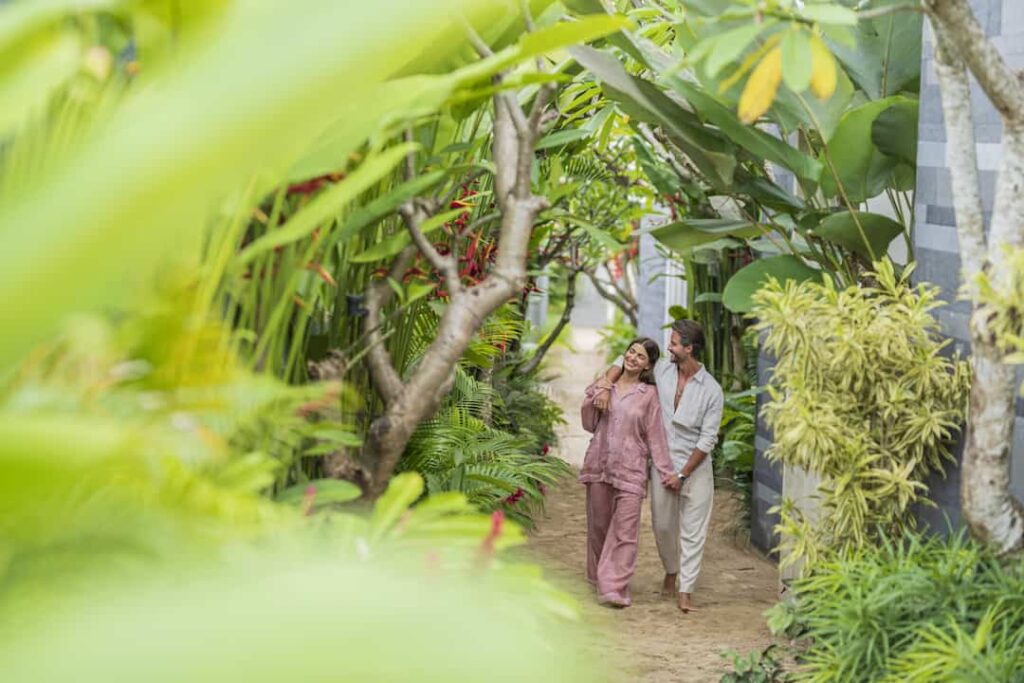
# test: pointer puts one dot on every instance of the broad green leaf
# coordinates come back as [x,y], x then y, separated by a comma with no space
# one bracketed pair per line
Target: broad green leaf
[144,180]
[683,236]
[769,194]
[368,214]
[842,229]
[894,131]
[595,233]
[796,60]
[829,13]
[885,57]
[20,20]
[793,109]
[664,180]
[728,46]
[403,490]
[400,240]
[329,203]
[861,168]
[738,291]
[321,491]
[747,137]
[566,33]
[417,290]
[395,99]
[713,154]
[585,6]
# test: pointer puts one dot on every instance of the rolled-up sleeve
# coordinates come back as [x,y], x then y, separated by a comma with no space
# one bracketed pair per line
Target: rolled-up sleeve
[590,415]
[711,423]
[657,439]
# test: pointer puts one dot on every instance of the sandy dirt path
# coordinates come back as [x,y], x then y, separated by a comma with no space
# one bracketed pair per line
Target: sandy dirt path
[651,641]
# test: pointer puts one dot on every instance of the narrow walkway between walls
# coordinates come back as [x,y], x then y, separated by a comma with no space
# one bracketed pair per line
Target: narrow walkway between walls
[651,641]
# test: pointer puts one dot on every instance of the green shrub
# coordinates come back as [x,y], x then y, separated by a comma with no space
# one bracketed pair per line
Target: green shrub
[914,610]
[862,396]
[754,667]
[734,454]
[472,446]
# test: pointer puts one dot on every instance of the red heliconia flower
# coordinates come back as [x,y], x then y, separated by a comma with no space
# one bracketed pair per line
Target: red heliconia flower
[497,526]
[515,497]
[546,449]
[313,184]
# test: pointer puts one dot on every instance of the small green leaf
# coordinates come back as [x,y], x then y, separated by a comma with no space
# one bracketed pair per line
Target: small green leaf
[829,13]
[563,137]
[417,290]
[728,46]
[796,60]
[566,33]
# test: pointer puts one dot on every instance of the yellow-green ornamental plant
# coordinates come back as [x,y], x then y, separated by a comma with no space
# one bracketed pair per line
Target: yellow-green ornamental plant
[862,396]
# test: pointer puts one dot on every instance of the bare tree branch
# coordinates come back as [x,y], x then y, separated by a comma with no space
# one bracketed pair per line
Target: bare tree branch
[623,293]
[534,361]
[1001,84]
[962,157]
[620,303]
[413,217]
[382,369]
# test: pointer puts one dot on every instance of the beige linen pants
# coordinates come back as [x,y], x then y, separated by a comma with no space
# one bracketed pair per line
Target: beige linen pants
[681,523]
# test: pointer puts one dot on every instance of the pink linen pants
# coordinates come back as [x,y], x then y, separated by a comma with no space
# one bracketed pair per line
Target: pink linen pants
[613,532]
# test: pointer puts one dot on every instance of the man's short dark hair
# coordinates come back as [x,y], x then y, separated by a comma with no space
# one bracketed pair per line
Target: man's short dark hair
[690,334]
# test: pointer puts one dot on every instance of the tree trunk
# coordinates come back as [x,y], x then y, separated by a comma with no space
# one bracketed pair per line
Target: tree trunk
[411,400]
[988,506]
[570,302]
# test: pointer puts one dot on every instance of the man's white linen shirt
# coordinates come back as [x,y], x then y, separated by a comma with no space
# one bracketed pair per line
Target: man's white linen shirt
[695,423]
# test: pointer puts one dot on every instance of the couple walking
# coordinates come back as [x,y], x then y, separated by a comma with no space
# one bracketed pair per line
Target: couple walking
[646,409]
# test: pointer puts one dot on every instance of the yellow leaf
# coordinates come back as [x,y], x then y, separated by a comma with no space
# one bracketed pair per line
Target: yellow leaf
[748,62]
[759,93]
[823,69]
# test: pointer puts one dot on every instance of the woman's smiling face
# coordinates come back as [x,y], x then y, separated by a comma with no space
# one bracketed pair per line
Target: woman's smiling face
[636,358]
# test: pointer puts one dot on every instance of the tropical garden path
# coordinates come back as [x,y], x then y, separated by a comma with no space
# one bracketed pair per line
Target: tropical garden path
[651,641]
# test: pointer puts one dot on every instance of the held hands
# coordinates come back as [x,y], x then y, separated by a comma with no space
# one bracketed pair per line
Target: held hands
[603,394]
[671,482]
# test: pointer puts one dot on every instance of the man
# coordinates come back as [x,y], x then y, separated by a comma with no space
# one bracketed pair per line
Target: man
[691,403]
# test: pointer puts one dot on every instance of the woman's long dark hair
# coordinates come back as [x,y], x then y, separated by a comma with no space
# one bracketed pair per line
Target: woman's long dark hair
[653,353]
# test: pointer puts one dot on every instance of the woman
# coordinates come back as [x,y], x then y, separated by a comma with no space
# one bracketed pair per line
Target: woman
[626,435]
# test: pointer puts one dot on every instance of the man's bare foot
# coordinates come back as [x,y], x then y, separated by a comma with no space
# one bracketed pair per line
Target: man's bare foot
[668,586]
[685,605]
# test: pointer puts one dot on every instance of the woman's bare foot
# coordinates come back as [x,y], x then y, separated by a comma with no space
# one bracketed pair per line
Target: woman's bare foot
[685,605]
[668,586]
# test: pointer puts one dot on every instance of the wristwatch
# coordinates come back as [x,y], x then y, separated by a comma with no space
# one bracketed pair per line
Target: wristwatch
[680,476]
